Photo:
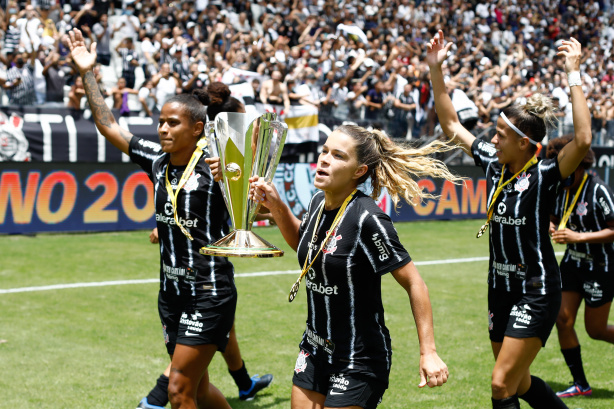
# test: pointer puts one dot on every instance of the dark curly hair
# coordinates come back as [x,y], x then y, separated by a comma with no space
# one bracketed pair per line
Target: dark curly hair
[216,97]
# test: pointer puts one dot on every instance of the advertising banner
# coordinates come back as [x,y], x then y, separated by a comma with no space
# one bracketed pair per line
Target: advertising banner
[44,197]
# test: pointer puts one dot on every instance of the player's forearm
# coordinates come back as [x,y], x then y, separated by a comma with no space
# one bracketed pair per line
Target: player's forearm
[100,111]
[597,237]
[423,316]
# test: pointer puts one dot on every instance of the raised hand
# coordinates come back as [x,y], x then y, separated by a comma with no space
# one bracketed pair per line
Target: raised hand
[572,51]
[83,59]
[436,51]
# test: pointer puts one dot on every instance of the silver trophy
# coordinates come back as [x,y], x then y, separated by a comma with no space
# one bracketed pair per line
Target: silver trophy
[246,149]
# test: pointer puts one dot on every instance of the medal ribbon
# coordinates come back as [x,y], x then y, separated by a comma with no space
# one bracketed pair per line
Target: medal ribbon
[184,178]
[340,212]
[568,210]
[500,186]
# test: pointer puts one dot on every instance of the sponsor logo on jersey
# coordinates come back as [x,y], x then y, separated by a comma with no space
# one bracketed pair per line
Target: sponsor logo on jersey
[331,244]
[192,183]
[579,256]
[192,323]
[338,381]
[173,273]
[501,208]
[314,286]
[168,208]
[582,208]
[523,182]
[301,362]
[594,289]
[521,221]
[317,341]
[384,253]
[505,270]
[522,314]
[149,144]
[488,148]
[171,220]
[604,206]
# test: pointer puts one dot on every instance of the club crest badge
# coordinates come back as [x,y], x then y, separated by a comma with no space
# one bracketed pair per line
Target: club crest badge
[13,143]
[582,208]
[331,244]
[301,362]
[192,183]
[523,182]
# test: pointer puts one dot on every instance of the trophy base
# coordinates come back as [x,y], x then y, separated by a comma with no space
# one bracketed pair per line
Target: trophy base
[242,243]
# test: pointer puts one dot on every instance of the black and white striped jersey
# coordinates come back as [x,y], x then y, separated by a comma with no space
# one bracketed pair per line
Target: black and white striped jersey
[183,270]
[345,320]
[592,212]
[522,259]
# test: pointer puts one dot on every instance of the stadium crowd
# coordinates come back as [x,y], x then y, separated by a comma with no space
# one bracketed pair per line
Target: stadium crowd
[357,60]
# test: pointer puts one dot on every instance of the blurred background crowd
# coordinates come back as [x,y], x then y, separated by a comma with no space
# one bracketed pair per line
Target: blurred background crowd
[361,61]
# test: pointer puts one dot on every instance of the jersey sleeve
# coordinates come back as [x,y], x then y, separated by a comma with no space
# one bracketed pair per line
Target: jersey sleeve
[380,243]
[483,153]
[604,202]
[143,153]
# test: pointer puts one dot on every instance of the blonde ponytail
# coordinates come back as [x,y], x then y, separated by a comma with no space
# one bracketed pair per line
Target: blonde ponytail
[393,167]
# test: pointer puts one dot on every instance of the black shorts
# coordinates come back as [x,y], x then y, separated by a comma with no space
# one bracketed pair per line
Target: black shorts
[597,288]
[341,389]
[200,320]
[521,315]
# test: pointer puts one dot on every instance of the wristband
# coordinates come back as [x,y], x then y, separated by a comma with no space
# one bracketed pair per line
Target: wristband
[573,78]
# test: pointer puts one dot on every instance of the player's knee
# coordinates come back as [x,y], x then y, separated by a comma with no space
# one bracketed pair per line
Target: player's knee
[596,332]
[498,387]
[564,322]
[176,393]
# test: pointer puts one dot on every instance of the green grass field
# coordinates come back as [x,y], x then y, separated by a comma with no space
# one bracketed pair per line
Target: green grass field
[101,347]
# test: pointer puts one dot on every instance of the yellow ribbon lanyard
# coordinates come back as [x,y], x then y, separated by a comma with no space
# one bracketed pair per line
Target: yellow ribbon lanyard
[294,289]
[184,178]
[500,186]
[568,210]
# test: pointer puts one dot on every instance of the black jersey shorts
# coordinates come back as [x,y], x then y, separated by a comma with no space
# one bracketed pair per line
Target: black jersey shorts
[196,320]
[597,288]
[521,315]
[341,389]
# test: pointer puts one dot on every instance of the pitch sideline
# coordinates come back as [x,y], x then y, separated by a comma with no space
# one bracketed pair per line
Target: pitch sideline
[240,275]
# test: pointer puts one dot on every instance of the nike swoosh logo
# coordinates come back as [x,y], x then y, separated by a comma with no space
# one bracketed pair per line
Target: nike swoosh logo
[519,326]
[335,393]
[189,334]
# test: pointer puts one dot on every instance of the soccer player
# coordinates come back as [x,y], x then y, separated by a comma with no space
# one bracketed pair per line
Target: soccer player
[524,293]
[197,297]
[345,243]
[219,100]
[583,219]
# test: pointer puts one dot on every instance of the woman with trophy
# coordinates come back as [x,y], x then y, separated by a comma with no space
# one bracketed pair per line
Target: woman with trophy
[197,297]
[524,291]
[345,243]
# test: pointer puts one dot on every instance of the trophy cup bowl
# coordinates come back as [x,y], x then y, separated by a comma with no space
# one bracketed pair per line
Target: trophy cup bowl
[246,149]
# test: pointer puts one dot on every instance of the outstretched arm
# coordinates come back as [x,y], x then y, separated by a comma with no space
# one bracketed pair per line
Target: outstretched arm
[450,124]
[433,371]
[572,154]
[103,118]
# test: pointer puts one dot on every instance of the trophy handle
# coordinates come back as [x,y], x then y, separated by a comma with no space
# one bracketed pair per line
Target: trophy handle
[213,143]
